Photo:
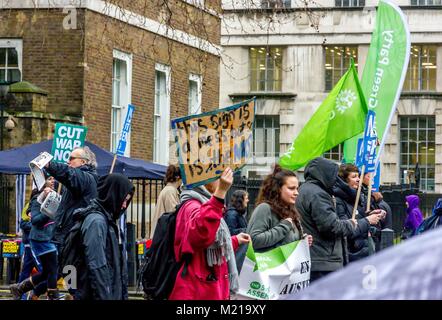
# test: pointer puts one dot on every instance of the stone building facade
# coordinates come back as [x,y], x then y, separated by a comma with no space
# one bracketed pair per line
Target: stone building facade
[303,63]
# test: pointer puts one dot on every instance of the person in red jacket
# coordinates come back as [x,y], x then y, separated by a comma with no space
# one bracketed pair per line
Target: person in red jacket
[202,233]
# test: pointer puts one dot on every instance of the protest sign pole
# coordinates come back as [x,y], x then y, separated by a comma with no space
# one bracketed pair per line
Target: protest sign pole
[113,164]
[370,182]
[355,208]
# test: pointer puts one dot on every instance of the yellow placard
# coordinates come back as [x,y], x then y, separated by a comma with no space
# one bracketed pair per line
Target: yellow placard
[11,247]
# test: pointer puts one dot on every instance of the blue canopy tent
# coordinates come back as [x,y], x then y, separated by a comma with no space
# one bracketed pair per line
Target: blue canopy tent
[146,176]
[16,161]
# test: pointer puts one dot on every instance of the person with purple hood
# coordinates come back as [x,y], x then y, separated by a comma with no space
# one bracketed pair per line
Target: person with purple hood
[414,216]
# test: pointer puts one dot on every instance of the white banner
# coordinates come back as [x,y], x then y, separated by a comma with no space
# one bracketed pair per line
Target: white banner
[274,274]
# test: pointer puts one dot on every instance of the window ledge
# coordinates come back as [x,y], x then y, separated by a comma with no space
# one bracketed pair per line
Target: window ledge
[422,94]
[261,95]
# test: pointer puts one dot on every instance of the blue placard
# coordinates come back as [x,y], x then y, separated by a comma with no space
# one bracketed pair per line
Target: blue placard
[376,180]
[124,133]
[370,143]
[360,153]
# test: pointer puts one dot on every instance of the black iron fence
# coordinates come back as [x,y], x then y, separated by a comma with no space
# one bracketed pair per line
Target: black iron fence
[5,192]
[142,207]
[393,195]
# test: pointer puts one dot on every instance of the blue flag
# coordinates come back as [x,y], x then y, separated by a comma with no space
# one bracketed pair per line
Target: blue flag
[370,143]
[123,140]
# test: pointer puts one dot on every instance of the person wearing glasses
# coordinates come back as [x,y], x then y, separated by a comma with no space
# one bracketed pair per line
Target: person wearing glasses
[79,179]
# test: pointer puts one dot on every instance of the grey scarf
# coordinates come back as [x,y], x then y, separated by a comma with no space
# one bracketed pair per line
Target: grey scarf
[222,246]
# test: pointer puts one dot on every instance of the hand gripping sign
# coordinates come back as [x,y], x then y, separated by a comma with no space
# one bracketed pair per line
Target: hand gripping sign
[276,274]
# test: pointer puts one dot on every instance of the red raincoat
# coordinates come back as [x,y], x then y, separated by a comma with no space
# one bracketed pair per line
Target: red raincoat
[195,231]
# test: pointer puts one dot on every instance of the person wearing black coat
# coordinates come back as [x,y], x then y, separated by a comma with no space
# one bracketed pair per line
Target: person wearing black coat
[79,179]
[316,205]
[358,245]
[235,218]
[105,274]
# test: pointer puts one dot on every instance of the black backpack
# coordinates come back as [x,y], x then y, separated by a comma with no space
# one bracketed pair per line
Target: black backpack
[160,268]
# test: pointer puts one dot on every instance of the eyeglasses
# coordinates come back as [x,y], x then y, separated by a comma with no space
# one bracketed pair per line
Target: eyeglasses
[73,158]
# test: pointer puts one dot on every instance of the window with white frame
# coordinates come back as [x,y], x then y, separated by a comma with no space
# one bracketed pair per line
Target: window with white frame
[417,145]
[266,136]
[337,62]
[10,60]
[349,3]
[121,97]
[421,73]
[426,2]
[195,94]
[265,68]
[334,153]
[161,114]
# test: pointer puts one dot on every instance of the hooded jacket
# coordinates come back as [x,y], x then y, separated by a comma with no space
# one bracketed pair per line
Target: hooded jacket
[196,226]
[105,276]
[414,214]
[357,243]
[319,218]
[79,188]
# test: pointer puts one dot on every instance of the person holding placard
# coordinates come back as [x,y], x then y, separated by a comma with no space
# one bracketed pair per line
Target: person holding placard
[275,221]
[42,249]
[317,208]
[359,244]
[202,233]
[79,179]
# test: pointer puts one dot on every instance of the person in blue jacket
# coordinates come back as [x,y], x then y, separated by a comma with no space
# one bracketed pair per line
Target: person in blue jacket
[42,249]
[79,179]
[235,218]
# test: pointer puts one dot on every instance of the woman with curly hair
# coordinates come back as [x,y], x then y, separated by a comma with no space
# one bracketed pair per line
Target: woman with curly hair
[275,221]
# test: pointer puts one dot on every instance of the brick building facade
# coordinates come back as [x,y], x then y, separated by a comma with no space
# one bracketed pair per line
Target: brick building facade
[71,53]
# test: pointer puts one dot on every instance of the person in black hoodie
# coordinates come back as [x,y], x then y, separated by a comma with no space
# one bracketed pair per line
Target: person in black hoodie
[235,218]
[356,245]
[318,215]
[79,179]
[105,275]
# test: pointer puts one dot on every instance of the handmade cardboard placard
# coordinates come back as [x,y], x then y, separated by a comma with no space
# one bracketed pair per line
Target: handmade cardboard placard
[210,142]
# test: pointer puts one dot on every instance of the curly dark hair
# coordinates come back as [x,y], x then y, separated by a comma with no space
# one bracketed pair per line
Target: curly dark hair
[173,174]
[237,201]
[270,192]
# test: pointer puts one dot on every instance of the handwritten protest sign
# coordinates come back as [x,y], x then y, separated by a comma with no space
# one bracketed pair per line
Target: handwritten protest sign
[210,142]
[67,137]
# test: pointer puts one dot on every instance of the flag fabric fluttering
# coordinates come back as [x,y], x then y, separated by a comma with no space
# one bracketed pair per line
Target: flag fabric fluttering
[340,116]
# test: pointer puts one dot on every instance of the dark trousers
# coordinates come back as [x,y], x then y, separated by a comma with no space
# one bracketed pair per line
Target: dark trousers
[48,274]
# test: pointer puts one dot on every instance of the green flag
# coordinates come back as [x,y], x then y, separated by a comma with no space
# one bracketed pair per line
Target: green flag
[340,117]
[384,71]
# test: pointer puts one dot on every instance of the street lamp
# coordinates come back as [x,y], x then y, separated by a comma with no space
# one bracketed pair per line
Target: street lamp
[4,89]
